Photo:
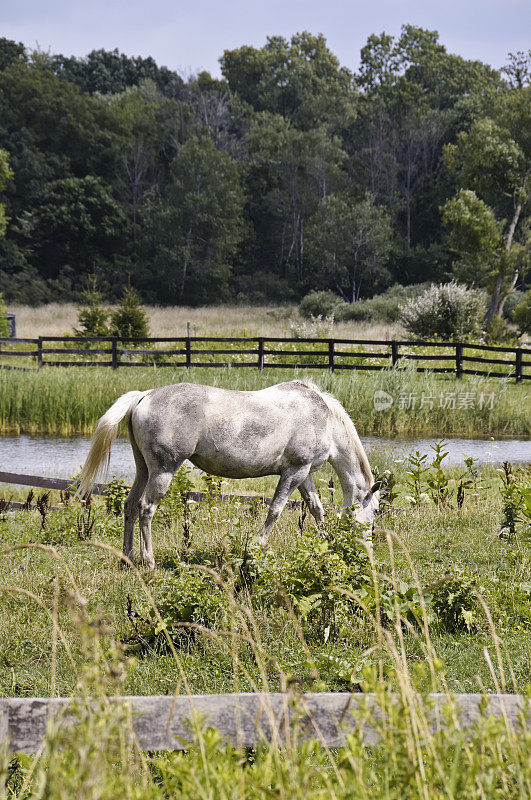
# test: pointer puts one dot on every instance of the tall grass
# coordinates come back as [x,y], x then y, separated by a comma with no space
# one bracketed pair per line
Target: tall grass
[70,400]
[60,319]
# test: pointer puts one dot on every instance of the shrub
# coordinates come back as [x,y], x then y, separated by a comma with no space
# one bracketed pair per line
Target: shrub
[320,304]
[454,601]
[383,307]
[522,313]
[129,320]
[3,319]
[92,316]
[450,310]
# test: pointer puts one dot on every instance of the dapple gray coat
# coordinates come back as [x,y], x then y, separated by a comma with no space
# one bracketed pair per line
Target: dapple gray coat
[289,430]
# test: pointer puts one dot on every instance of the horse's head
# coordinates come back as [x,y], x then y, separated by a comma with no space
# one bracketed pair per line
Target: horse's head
[365,512]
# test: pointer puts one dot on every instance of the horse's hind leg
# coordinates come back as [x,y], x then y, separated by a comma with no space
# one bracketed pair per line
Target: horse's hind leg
[131,509]
[135,493]
[289,480]
[156,487]
[311,498]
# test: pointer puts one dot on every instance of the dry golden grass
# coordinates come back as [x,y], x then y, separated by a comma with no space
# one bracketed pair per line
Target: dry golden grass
[60,319]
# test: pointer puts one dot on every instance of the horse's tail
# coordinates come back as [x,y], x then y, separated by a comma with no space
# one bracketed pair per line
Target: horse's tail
[104,435]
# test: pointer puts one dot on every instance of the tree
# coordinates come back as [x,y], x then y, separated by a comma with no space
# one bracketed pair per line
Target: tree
[348,246]
[493,160]
[92,316]
[129,320]
[290,171]
[76,224]
[300,80]
[192,234]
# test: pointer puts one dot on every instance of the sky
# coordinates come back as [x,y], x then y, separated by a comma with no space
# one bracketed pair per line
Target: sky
[190,36]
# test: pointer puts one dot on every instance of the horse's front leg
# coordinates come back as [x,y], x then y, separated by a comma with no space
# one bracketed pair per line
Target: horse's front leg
[156,488]
[289,480]
[311,498]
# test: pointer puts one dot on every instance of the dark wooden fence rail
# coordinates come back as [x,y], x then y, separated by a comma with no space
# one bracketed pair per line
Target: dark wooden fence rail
[161,722]
[60,484]
[457,358]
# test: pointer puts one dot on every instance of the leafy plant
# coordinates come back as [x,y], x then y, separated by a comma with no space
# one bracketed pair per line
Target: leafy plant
[454,600]
[436,479]
[115,494]
[516,503]
[186,600]
[416,476]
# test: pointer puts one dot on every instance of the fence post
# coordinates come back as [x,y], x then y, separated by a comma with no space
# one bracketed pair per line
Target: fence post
[39,352]
[114,353]
[394,352]
[331,362]
[188,348]
[459,360]
[519,372]
[261,354]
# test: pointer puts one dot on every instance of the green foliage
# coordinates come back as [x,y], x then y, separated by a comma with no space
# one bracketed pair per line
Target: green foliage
[450,311]
[349,244]
[474,234]
[92,316]
[454,600]
[115,494]
[5,175]
[319,304]
[383,307]
[185,601]
[516,508]
[522,313]
[129,320]
[4,331]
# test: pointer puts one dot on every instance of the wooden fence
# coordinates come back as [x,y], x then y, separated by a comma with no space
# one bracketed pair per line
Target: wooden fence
[161,722]
[457,358]
[62,485]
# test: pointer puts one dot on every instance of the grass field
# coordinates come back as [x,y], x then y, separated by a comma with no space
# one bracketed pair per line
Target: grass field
[60,319]
[444,605]
[70,400]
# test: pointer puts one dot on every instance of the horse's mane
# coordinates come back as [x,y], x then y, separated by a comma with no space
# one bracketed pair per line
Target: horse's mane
[337,410]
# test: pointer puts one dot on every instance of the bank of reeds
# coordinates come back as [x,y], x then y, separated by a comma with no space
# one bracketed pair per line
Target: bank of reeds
[70,400]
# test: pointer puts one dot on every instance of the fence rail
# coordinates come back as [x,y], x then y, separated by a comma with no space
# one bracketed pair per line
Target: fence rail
[457,358]
[245,720]
[62,485]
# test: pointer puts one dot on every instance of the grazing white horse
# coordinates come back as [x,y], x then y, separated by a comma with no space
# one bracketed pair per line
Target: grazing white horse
[290,430]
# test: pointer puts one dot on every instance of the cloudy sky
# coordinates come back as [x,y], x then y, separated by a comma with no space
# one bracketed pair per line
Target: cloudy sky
[190,36]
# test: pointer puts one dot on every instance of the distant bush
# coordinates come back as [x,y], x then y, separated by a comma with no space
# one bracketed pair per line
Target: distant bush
[522,313]
[320,304]
[382,307]
[449,310]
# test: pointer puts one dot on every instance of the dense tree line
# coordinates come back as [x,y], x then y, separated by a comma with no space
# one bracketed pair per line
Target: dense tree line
[290,173]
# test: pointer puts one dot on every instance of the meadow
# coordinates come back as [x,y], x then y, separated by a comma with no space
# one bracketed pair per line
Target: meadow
[442,605]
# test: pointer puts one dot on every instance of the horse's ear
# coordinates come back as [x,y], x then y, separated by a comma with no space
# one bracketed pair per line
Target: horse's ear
[376,486]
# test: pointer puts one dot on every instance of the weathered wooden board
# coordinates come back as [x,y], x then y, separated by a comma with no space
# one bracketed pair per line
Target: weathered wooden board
[39,481]
[162,722]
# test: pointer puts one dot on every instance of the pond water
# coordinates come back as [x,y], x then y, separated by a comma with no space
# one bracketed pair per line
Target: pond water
[62,456]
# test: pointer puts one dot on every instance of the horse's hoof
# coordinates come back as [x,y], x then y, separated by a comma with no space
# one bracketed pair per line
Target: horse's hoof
[126,564]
